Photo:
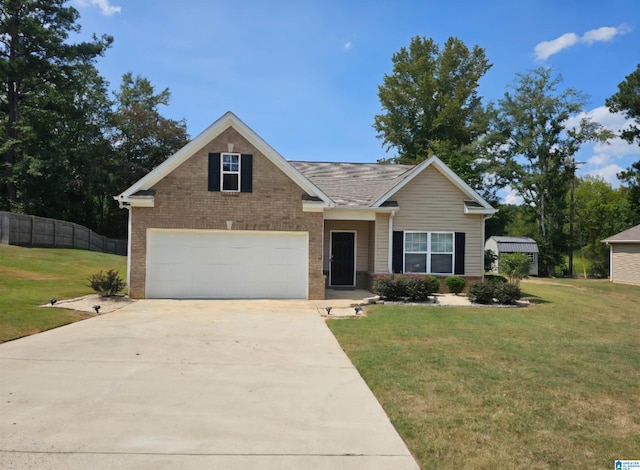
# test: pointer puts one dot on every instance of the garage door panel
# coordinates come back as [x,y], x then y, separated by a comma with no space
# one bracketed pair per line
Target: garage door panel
[210,264]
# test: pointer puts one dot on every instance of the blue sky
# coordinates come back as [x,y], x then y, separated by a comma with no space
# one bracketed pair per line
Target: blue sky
[304,74]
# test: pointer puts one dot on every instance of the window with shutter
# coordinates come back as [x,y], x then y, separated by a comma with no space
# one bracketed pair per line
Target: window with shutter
[231,172]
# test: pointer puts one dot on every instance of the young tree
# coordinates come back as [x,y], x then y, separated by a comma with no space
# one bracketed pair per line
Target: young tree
[515,266]
[534,153]
[36,57]
[431,105]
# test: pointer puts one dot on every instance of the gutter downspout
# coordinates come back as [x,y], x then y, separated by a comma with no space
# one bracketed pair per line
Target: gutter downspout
[390,248]
[129,225]
[484,220]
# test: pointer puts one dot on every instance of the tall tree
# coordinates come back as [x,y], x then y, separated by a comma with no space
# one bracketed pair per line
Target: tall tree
[141,139]
[600,211]
[534,153]
[144,138]
[35,53]
[627,101]
[65,149]
[431,105]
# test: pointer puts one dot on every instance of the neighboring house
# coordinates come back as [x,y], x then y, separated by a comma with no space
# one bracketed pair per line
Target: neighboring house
[501,245]
[228,217]
[624,256]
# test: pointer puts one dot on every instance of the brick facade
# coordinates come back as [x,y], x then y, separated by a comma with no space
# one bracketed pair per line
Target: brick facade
[182,201]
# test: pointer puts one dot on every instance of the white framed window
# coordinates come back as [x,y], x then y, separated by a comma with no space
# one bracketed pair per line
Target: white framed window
[230,172]
[428,252]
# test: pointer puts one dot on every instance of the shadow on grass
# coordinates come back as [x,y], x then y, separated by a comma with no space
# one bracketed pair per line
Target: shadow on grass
[534,299]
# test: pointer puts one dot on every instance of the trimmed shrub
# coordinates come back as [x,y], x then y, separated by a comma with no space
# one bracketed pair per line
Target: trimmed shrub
[435,283]
[506,293]
[106,284]
[481,293]
[455,284]
[494,278]
[416,288]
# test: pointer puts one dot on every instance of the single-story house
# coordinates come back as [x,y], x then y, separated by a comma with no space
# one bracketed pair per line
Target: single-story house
[228,217]
[624,256]
[501,245]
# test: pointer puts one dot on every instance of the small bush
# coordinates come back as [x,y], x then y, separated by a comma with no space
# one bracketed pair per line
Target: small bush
[106,284]
[506,293]
[494,278]
[481,293]
[455,284]
[435,283]
[416,288]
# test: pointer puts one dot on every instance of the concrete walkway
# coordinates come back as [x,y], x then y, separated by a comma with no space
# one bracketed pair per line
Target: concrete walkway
[191,384]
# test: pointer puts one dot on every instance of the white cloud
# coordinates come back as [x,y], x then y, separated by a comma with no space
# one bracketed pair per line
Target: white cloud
[608,173]
[347,45]
[513,197]
[606,159]
[104,5]
[546,49]
[604,34]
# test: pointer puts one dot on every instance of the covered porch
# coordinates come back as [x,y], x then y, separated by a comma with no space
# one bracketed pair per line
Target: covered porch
[355,249]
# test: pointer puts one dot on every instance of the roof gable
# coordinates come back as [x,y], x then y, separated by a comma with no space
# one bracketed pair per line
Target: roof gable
[482,207]
[227,120]
[631,235]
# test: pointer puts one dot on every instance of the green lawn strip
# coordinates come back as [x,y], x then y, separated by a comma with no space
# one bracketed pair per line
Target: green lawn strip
[29,277]
[555,385]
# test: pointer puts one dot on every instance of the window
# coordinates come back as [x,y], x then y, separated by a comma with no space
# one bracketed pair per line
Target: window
[230,174]
[426,252]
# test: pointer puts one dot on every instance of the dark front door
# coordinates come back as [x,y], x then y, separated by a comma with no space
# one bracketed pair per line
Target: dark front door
[343,259]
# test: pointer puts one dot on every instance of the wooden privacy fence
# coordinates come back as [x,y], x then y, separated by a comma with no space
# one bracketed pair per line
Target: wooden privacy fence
[31,230]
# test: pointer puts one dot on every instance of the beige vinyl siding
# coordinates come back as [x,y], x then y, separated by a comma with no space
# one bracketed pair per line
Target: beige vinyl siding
[381,253]
[625,263]
[362,229]
[431,203]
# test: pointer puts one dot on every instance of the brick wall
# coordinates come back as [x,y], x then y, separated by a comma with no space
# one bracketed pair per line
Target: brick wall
[183,201]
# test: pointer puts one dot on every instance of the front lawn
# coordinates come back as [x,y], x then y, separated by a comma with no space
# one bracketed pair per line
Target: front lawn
[554,385]
[29,277]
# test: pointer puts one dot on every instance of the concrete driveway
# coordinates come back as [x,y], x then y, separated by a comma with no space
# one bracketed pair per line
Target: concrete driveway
[191,384]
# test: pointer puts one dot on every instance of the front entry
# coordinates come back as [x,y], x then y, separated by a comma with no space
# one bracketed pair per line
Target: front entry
[343,259]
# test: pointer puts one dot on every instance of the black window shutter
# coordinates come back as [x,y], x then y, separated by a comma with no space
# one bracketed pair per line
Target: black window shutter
[246,167]
[459,247]
[397,252]
[214,172]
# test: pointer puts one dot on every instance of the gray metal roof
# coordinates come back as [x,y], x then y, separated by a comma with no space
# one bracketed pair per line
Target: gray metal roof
[629,235]
[353,184]
[516,244]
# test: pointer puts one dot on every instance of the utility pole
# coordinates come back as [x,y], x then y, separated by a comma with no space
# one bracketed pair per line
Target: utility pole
[574,165]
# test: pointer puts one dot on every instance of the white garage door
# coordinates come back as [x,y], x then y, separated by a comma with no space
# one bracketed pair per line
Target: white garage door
[184,264]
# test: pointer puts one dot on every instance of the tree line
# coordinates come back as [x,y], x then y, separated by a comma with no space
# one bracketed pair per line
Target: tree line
[69,144]
[526,142]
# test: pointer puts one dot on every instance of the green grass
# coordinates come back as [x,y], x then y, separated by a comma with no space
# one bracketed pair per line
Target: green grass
[29,277]
[554,385]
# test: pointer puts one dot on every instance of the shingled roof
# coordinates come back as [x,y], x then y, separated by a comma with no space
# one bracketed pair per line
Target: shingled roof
[353,184]
[629,235]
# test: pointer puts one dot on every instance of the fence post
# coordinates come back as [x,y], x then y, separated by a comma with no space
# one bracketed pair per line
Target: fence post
[33,229]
